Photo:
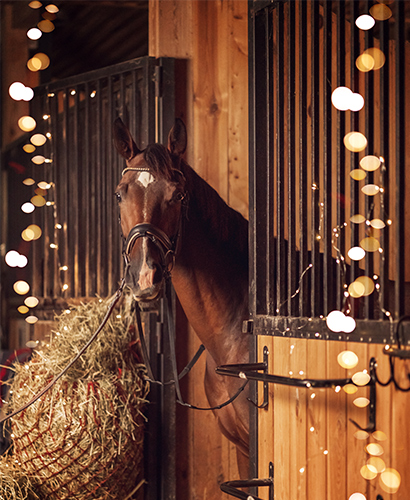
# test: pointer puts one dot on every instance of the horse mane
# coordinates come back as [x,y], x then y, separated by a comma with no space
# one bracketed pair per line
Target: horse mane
[223,224]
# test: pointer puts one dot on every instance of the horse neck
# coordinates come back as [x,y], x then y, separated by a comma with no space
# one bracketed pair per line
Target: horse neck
[211,271]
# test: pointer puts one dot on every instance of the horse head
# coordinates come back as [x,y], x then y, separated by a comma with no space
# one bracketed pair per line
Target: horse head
[151,196]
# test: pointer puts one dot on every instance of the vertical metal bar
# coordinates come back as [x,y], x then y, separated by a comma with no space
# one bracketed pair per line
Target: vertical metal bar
[291,263]
[76,191]
[315,215]
[304,298]
[86,176]
[99,184]
[384,175]
[340,151]
[369,200]
[114,87]
[400,136]
[281,288]
[329,282]
[354,122]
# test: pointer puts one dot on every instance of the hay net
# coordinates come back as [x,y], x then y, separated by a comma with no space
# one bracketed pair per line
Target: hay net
[83,439]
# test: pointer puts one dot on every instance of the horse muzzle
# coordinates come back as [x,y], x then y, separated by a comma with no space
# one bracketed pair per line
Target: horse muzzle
[146,280]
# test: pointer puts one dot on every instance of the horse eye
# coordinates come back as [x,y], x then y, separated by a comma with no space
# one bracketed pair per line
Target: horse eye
[180,196]
[118,196]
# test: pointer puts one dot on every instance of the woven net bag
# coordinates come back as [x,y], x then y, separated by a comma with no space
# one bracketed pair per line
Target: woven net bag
[83,439]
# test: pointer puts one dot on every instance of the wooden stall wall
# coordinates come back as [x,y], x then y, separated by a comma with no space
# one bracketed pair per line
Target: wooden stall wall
[308,433]
[211,38]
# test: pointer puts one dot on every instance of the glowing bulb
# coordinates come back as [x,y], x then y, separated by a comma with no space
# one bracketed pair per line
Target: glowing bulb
[65,287]
[31,320]
[361,402]
[356,253]
[16,91]
[356,102]
[21,287]
[27,123]
[347,359]
[335,320]
[357,496]
[374,449]
[31,301]
[34,33]
[38,139]
[370,163]
[361,379]
[11,258]
[370,189]
[341,98]
[355,141]
[365,22]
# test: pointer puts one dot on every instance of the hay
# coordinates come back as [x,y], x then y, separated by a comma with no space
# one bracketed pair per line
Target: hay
[82,439]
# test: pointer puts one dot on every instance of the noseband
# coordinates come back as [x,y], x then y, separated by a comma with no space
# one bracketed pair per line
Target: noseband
[166,247]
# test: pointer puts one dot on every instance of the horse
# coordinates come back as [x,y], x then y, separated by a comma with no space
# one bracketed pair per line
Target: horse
[204,244]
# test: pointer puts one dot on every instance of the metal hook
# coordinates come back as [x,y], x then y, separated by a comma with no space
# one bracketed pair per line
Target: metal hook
[371,425]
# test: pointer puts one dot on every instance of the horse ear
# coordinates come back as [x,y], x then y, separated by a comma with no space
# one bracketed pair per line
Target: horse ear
[177,138]
[123,141]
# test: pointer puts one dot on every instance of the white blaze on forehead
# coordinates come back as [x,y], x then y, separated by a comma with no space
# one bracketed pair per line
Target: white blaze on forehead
[145,178]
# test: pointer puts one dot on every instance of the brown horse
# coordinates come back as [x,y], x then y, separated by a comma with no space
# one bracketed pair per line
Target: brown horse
[206,244]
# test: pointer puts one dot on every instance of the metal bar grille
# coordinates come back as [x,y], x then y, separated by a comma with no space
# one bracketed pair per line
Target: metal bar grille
[302,194]
[80,253]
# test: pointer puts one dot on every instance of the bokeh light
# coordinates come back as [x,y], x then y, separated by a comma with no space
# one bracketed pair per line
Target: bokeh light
[379,436]
[350,389]
[380,12]
[23,309]
[377,224]
[365,63]
[370,244]
[368,284]
[334,321]
[361,402]
[365,22]
[368,472]
[361,378]
[356,289]
[344,99]
[28,207]
[390,480]
[35,4]
[21,287]
[38,159]
[357,219]
[29,148]
[370,189]
[347,359]
[377,463]
[370,163]
[29,181]
[38,139]
[361,435]
[31,320]
[34,33]
[46,26]
[31,301]
[358,174]
[355,141]
[357,496]
[27,123]
[374,449]
[53,9]
[356,253]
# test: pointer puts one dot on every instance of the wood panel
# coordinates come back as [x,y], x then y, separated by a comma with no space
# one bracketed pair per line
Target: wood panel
[212,37]
[313,444]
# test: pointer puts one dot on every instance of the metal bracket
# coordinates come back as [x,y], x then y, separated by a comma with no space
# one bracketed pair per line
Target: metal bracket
[249,371]
[231,487]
